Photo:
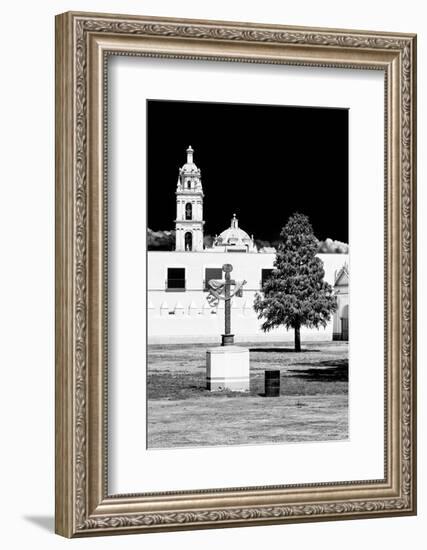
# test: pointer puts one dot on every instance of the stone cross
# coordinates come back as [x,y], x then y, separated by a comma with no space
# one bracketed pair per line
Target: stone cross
[227,337]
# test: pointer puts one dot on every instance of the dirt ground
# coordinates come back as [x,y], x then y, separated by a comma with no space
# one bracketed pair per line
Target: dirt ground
[313,402]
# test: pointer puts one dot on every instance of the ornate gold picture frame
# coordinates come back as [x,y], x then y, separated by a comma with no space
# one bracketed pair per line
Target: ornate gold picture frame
[84,506]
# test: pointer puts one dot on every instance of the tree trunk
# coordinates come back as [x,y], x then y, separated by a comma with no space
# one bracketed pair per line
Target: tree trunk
[297,338]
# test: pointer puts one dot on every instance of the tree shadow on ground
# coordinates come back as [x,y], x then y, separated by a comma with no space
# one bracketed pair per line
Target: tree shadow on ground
[333,370]
[302,378]
[281,350]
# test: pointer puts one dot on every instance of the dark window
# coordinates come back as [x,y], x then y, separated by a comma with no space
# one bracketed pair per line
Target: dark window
[344,328]
[176,278]
[188,184]
[344,323]
[212,273]
[188,211]
[265,274]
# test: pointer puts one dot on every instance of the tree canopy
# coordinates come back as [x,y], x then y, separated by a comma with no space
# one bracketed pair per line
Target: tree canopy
[296,294]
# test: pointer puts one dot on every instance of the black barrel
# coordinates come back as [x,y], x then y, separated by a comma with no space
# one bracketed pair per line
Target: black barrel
[272,383]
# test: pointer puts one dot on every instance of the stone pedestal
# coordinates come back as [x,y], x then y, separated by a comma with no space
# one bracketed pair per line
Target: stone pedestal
[227,368]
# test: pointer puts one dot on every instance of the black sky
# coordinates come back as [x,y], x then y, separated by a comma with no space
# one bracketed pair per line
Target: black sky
[261,162]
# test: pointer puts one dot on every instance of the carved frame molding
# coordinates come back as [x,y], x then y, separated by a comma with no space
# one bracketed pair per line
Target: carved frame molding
[83,43]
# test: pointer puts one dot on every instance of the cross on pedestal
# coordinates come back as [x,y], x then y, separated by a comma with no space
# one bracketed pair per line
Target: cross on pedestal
[227,368]
[227,337]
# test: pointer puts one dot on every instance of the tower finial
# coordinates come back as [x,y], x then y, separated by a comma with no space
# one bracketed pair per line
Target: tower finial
[190,152]
[234,222]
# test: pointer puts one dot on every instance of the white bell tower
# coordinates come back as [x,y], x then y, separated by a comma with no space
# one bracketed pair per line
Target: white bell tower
[189,207]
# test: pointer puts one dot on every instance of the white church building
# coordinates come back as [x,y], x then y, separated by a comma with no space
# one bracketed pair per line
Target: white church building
[177,305]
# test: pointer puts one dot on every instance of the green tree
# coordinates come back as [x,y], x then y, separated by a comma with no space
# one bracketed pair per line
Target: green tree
[296,295]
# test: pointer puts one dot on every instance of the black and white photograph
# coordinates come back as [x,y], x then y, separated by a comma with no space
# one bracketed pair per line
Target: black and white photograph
[248,274]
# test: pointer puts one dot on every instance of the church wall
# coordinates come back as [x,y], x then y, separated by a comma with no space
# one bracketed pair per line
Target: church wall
[185,315]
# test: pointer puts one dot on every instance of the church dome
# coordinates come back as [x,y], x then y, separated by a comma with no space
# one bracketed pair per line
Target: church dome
[235,237]
[234,233]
